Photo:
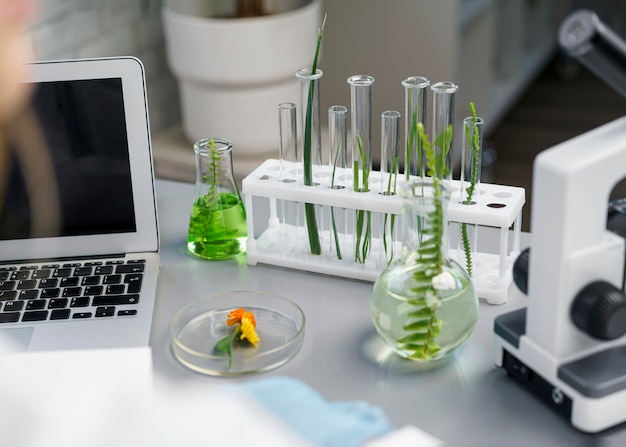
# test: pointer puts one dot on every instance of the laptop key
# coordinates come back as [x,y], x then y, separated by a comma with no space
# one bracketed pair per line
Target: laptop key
[37,315]
[26,284]
[93,290]
[115,289]
[41,274]
[112,279]
[103,270]
[48,282]
[50,293]
[69,292]
[15,306]
[126,312]
[60,314]
[57,303]
[113,300]
[90,281]
[80,301]
[20,274]
[29,294]
[4,276]
[7,285]
[62,272]
[130,268]
[9,317]
[8,295]
[69,282]
[83,271]
[35,304]
[82,315]
[108,311]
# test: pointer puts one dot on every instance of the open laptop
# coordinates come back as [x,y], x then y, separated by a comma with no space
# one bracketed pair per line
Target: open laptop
[78,225]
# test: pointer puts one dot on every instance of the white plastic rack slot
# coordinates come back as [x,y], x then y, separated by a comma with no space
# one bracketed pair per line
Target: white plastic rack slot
[274,196]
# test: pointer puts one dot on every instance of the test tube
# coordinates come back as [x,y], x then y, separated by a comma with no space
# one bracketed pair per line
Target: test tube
[470,179]
[288,153]
[361,118]
[337,159]
[389,167]
[442,134]
[415,93]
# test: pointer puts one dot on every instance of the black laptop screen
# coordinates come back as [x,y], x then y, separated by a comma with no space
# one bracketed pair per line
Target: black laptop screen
[85,154]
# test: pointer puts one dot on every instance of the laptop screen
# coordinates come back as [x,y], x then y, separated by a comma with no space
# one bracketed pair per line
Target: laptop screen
[84,129]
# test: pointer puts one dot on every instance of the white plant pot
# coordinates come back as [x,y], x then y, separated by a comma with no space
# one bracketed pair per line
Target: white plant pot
[233,73]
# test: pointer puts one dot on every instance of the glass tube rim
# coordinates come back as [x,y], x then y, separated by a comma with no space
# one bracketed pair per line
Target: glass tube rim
[338,109]
[469,120]
[444,87]
[391,114]
[307,73]
[222,145]
[287,105]
[416,82]
[361,80]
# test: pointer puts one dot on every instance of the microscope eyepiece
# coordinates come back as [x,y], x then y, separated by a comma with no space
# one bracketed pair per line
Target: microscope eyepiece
[584,37]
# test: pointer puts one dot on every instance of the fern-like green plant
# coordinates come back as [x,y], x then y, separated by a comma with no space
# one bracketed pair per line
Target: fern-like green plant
[211,177]
[363,240]
[423,325]
[475,151]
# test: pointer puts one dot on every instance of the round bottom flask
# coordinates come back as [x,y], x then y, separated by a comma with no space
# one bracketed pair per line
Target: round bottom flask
[424,305]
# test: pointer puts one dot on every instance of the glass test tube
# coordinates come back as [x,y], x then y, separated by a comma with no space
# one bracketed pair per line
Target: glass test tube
[389,168]
[288,153]
[415,93]
[337,160]
[442,134]
[288,149]
[311,149]
[361,120]
[470,179]
[310,122]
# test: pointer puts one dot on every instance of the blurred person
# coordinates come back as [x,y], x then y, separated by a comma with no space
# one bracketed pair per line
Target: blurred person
[24,156]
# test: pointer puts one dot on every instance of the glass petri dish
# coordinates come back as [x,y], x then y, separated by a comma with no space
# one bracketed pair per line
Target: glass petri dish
[197,327]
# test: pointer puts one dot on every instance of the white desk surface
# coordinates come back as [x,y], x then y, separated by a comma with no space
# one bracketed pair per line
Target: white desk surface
[467,402]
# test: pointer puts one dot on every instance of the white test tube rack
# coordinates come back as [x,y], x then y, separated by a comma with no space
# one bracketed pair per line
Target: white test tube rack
[498,206]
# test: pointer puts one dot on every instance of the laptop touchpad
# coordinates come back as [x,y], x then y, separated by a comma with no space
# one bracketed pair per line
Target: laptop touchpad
[15,339]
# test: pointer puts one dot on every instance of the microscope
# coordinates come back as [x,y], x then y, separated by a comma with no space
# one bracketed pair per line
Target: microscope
[568,346]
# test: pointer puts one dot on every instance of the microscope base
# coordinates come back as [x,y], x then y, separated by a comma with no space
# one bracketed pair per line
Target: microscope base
[590,391]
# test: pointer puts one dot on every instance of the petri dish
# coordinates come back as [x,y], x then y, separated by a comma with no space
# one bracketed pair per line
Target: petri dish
[197,327]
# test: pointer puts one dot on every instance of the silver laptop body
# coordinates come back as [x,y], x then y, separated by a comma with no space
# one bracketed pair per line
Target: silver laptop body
[78,224]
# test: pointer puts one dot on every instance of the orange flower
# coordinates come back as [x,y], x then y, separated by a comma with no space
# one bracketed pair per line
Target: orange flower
[235,316]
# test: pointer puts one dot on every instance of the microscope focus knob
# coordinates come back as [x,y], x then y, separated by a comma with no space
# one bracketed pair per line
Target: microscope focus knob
[520,270]
[599,310]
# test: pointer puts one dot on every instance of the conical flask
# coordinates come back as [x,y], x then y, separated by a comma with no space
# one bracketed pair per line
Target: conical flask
[217,226]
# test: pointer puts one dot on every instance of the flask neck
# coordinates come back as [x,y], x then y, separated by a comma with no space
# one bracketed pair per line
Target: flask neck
[214,168]
[425,206]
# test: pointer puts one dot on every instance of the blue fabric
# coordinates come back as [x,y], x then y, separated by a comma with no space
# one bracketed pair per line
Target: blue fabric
[327,424]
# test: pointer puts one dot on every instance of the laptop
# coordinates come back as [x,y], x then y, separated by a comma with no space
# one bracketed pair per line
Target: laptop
[78,226]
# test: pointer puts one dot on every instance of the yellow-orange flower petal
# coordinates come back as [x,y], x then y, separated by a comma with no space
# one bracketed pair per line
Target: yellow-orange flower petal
[248,332]
[235,316]
[250,317]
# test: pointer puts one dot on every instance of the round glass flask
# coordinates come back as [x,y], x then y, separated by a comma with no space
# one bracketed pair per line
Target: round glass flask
[424,305]
[217,225]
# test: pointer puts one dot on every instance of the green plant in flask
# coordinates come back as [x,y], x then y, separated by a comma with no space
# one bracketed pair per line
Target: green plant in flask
[217,226]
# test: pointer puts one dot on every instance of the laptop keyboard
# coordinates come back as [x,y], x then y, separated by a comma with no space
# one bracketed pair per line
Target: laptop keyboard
[70,291]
